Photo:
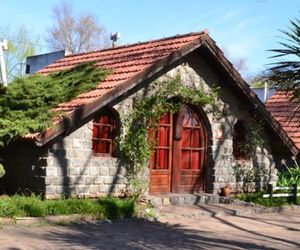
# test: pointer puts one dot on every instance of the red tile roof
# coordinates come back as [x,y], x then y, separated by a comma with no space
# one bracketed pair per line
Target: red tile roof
[133,64]
[125,62]
[287,112]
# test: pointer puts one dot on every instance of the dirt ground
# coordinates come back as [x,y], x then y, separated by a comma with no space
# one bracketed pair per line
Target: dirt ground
[262,231]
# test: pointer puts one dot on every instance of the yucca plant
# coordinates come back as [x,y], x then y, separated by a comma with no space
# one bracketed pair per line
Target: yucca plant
[291,176]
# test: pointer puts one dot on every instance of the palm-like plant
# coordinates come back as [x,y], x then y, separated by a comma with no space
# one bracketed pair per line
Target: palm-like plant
[285,74]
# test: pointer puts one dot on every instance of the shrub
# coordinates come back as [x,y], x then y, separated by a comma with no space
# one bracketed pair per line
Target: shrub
[289,177]
[257,198]
[2,170]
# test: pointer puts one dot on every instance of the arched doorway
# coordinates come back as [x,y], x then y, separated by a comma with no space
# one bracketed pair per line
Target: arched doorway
[180,156]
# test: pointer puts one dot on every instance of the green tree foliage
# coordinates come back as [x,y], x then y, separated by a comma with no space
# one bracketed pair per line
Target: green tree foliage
[20,46]
[25,103]
[285,74]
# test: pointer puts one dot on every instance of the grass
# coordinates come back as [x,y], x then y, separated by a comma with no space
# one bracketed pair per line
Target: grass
[34,206]
[257,198]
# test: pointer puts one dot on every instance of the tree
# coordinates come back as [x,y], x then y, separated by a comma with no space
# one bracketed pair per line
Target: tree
[75,34]
[285,74]
[20,46]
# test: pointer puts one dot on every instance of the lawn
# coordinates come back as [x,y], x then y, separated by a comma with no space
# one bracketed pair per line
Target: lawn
[35,206]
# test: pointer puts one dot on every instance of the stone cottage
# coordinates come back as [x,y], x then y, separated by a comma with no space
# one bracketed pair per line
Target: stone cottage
[196,150]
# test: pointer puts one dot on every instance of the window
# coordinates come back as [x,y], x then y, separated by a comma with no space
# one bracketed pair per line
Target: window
[105,128]
[239,139]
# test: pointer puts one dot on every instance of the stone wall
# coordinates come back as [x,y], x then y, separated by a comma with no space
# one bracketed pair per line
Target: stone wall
[73,170]
[70,167]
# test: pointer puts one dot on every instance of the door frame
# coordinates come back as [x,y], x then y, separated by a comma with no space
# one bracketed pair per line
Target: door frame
[173,172]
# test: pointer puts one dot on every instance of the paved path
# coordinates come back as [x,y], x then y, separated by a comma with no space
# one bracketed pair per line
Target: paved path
[262,231]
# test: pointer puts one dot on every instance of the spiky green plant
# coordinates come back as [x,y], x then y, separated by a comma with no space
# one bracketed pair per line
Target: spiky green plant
[285,73]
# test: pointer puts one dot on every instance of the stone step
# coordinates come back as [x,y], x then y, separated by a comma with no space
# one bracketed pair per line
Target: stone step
[184,199]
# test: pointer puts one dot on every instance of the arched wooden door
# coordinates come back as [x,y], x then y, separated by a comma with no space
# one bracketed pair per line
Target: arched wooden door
[180,155]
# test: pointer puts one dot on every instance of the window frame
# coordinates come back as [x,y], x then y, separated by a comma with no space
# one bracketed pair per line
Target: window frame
[238,140]
[114,127]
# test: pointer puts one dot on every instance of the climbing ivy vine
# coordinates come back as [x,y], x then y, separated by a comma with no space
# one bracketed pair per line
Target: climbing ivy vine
[138,140]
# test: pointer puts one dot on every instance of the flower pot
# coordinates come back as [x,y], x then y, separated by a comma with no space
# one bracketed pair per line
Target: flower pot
[226,191]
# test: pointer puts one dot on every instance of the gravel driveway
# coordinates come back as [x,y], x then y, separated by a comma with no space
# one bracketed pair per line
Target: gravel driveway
[261,231]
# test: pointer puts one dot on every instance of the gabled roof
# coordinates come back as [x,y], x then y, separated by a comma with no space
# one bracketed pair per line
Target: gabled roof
[287,112]
[136,63]
[125,62]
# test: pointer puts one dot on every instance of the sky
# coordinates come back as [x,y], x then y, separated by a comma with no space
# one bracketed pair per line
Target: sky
[243,28]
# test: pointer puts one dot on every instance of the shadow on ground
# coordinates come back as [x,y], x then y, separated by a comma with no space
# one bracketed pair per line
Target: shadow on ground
[142,234]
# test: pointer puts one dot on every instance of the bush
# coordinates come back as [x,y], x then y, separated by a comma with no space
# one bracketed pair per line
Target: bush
[34,206]
[289,177]
[257,198]
[2,170]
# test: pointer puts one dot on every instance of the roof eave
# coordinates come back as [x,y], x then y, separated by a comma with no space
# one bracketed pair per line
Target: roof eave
[251,95]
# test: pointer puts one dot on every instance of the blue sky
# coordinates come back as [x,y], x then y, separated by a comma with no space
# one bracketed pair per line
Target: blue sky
[244,28]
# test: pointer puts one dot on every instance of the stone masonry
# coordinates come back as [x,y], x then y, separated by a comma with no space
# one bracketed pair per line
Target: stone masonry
[72,169]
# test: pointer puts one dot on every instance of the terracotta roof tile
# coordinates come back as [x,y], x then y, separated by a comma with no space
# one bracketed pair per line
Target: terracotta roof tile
[287,112]
[124,61]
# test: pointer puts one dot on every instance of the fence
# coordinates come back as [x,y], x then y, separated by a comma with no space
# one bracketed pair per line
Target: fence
[293,192]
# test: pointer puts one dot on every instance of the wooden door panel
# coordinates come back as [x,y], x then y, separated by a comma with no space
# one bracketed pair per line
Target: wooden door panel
[159,181]
[161,160]
[179,159]
[192,152]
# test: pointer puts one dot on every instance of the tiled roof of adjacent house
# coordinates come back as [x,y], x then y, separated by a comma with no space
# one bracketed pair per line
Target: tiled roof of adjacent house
[125,62]
[287,112]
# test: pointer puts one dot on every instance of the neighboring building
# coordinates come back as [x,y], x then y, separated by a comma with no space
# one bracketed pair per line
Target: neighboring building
[77,159]
[286,111]
[36,63]
[264,94]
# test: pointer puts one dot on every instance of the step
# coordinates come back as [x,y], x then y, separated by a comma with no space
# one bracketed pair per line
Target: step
[185,199]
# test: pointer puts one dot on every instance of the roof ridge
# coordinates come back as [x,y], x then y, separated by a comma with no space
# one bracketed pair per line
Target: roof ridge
[204,32]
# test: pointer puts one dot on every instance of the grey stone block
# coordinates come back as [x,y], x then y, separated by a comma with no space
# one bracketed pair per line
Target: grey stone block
[76,163]
[77,143]
[73,171]
[68,143]
[104,189]
[98,180]
[96,162]
[94,171]
[93,190]
[62,172]
[79,180]
[84,171]
[87,144]
[48,181]
[103,171]
[113,171]
[108,180]
[88,180]
[58,180]
[60,189]
[50,171]
[50,189]
[82,190]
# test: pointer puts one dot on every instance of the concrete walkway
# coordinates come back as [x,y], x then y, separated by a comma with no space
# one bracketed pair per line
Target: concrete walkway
[254,231]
